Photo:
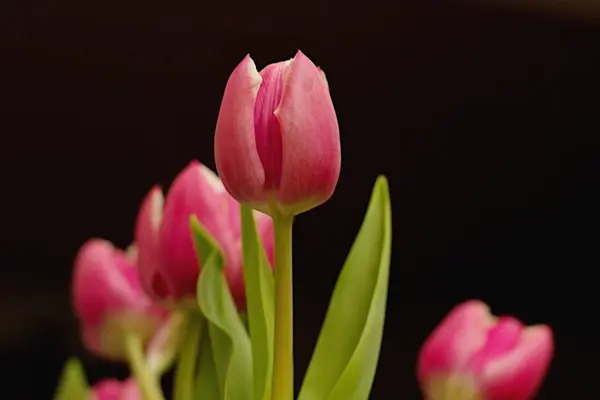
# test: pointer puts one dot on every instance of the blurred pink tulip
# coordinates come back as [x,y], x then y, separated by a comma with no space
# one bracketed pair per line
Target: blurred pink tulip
[277,142]
[474,355]
[109,300]
[167,258]
[113,389]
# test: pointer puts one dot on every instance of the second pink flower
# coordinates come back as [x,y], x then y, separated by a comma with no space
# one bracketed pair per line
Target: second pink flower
[168,265]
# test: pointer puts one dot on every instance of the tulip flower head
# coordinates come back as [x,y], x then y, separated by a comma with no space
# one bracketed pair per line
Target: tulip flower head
[168,263]
[277,144]
[113,389]
[473,355]
[109,300]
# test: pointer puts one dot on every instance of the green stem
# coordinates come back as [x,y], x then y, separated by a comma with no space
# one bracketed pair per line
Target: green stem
[283,358]
[148,383]
[188,355]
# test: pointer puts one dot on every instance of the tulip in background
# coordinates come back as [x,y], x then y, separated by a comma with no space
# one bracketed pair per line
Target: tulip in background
[474,355]
[209,283]
[113,389]
[168,264]
[109,301]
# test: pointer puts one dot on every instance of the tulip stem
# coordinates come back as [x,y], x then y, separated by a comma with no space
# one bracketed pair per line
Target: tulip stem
[147,381]
[188,356]
[283,358]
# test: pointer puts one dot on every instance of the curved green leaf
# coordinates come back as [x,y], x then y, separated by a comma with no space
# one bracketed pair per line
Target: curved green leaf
[206,245]
[259,282]
[73,384]
[230,341]
[345,359]
[207,385]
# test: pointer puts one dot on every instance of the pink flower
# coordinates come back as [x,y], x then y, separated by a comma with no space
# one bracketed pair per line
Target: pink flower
[109,300]
[113,389]
[168,263]
[474,355]
[277,143]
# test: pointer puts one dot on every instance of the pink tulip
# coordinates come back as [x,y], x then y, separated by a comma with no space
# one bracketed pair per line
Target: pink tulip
[168,263]
[474,355]
[277,143]
[109,300]
[113,389]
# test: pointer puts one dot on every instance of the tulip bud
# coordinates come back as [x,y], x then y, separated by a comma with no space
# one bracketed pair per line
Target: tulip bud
[167,258]
[113,389]
[474,355]
[109,300]
[277,144]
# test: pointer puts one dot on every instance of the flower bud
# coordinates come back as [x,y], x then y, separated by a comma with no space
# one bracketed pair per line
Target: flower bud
[474,355]
[109,300]
[113,389]
[167,258]
[277,144]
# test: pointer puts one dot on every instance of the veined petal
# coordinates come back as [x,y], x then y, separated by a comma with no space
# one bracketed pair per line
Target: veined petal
[310,137]
[236,153]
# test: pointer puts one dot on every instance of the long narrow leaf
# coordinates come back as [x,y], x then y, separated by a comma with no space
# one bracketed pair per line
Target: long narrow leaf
[345,359]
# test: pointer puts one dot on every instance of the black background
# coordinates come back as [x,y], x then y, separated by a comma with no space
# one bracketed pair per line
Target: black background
[484,121]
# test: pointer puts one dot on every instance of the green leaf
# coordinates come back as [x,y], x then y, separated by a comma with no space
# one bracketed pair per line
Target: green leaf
[345,359]
[73,384]
[207,385]
[259,282]
[205,244]
[230,341]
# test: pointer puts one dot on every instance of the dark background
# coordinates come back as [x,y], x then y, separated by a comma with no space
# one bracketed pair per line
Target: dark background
[485,121]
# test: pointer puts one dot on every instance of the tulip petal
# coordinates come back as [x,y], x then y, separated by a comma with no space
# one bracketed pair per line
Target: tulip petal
[148,245]
[193,192]
[103,283]
[266,125]
[518,374]
[460,335]
[243,175]
[310,137]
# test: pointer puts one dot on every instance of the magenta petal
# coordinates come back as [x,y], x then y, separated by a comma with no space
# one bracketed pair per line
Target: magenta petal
[102,283]
[130,390]
[518,374]
[112,389]
[108,299]
[195,191]
[108,389]
[456,339]
[236,153]
[266,125]
[148,245]
[310,136]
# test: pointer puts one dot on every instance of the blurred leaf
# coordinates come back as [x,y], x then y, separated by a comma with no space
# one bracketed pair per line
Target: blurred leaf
[207,385]
[73,384]
[345,359]
[206,245]
[230,342]
[259,282]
